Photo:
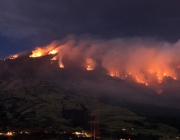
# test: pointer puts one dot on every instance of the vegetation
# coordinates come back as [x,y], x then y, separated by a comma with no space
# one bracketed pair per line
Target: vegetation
[39,102]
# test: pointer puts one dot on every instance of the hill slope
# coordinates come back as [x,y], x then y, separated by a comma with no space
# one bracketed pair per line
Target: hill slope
[36,93]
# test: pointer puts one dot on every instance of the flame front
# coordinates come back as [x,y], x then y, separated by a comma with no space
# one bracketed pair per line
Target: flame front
[37,53]
[128,61]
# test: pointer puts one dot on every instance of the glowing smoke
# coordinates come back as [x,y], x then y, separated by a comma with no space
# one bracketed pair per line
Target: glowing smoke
[144,60]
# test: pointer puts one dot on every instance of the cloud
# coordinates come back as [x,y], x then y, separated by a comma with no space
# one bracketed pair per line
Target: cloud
[40,22]
[49,20]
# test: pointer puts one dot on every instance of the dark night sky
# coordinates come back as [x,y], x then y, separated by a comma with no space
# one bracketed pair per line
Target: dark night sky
[25,24]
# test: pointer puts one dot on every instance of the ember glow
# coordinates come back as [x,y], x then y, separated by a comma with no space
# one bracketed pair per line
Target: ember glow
[55,57]
[13,56]
[114,74]
[61,65]
[143,61]
[89,67]
[90,64]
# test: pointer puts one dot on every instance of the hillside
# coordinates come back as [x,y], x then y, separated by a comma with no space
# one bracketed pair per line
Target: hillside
[35,94]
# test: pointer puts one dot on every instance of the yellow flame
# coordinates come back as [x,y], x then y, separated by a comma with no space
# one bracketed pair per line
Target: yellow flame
[53,52]
[37,54]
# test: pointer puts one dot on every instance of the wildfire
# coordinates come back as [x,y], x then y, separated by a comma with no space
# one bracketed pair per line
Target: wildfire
[159,76]
[90,64]
[53,52]
[13,56]
[61,65]
[89,67]
[111,74]
[141,81]
[55,58]
[114,74]
[144,65]
[37,54]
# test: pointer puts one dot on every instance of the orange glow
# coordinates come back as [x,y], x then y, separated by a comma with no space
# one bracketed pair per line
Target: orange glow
[61,65]
[140,78]
[111,74]
[53,52]
[144,65]
[89,67]
[13,56]
[36,53]
[9,133]
[82,134]
[55,58]
[141,81]
[90,64]
[114,74]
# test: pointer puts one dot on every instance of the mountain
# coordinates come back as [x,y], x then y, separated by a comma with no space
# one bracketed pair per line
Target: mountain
[35,93]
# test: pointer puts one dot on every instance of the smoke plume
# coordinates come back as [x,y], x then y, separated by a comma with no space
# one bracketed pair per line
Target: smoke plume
[143,60]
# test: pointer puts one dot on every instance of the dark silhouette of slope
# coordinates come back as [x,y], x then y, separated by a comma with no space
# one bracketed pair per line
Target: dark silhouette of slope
[36,92]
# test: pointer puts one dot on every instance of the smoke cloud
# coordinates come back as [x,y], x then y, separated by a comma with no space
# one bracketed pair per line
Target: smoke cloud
[142,59]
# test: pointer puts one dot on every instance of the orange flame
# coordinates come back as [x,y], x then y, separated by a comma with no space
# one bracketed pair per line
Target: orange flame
[141,81]
[38,52]
[90,64]
[144,64]
[53,52]
[61,65]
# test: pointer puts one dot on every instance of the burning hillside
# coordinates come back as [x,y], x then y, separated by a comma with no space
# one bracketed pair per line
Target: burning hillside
[97,69]
[141,61]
